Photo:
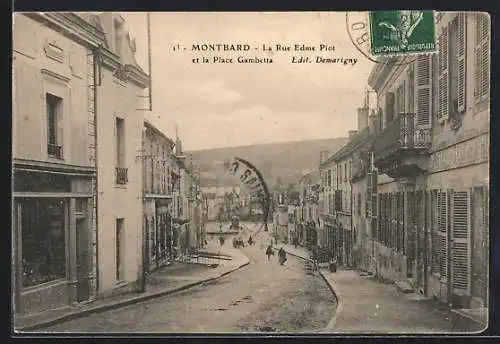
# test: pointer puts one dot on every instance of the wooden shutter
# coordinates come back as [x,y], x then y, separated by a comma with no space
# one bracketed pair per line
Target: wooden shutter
[461,61]
[442,199]
[443,94]
[423,90]
[482,57]
[460,241]
[485,55]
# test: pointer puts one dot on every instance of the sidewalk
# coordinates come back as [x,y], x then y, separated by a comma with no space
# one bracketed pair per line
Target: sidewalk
[366,305]
[163,281]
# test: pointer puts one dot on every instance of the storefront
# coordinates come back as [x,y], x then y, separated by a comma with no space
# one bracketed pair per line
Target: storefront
[158,228]
[52,248]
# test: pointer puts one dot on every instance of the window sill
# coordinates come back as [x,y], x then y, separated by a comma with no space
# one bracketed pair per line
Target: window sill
[46,285]
[54,158]
[120,186]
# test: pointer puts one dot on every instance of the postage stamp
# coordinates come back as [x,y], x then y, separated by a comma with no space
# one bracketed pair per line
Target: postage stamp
[402,32]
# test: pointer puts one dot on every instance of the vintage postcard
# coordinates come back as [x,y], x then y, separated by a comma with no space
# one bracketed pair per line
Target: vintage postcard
[251,172]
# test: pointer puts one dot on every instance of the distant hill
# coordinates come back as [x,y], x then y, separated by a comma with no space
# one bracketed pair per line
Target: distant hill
[288,160]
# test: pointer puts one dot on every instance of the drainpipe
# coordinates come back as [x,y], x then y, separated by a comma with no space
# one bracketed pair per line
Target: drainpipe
[96,82]
[352,222]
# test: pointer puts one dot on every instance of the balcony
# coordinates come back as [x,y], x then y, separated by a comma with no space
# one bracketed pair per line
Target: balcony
[54,151]
[400,150]
[121,176]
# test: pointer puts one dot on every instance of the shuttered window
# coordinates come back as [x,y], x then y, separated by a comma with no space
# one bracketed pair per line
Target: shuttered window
[482,57]
[401,223]
[443,92]
[435,262]
[411,88]
[442,206]
[460,236]
[424,84]
[461,61]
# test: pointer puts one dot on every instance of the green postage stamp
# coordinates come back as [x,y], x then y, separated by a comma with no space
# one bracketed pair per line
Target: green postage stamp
[402,32]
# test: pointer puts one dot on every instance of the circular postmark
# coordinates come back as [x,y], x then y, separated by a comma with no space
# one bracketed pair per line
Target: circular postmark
[358,29]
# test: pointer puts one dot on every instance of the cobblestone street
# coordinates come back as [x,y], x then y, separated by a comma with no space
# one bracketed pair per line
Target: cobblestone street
[262,297]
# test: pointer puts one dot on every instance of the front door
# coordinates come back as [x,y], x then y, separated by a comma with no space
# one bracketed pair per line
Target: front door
[82,259]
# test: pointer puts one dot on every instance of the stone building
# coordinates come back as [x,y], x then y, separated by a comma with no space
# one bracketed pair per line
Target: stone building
[119,108]
[159,181]
[54,170]
[431,152]
[308,212]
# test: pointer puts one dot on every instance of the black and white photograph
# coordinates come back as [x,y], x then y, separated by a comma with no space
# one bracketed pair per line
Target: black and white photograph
[259,173]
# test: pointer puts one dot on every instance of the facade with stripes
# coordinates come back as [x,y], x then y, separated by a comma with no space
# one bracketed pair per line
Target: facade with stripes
[431,159]
[419,184]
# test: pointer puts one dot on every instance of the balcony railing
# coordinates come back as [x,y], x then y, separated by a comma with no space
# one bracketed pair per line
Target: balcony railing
[55,151]
[121,175]
[401,135]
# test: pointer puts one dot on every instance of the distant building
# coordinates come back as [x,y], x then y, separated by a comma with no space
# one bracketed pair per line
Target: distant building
[159,183]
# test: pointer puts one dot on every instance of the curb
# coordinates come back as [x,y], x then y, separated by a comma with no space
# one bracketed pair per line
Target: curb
[122,303]
[333,289]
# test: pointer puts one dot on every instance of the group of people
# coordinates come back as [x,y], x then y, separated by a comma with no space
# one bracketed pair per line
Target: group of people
[281,254]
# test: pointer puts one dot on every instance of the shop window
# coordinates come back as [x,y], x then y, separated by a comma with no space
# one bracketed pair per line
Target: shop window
[43,241]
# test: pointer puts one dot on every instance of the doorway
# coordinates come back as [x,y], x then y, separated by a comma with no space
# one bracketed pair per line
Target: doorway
[82,260]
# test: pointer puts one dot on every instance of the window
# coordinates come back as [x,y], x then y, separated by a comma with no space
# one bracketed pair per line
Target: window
[340,175]
[482,57]
[338,200]
[43,228]
[453,66]
[329,177]
[345,171]
[411,89]
[400,99]
[54,129]
[118,37]
[119,250]
[121,171]
[359,203]
[389,107]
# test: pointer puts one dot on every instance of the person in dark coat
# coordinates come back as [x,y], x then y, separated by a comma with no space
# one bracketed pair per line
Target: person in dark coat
[269,252]
[282,256]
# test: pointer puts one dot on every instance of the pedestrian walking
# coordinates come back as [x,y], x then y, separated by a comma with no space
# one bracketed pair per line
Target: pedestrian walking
[269,252]
[282,256]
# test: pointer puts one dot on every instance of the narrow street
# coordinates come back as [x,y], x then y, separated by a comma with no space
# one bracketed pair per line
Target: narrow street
[262,297]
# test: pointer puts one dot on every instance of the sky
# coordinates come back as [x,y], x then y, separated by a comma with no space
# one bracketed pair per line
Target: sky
[223,105]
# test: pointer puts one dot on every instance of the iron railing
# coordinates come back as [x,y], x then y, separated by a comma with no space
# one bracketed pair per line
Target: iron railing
[55,151]
[121,175]
[401,134]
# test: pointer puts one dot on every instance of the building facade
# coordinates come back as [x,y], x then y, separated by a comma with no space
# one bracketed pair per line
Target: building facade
[307,214]
[431,153]
[53,149]
[158,187]
[119,108]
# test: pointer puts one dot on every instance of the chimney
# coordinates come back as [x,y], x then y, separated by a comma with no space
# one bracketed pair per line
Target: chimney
[178,147]
[323,155]
[352,133]
[362,118]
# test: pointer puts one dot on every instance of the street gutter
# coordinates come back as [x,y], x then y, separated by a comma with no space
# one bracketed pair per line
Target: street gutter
[333,289]
[122,303]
